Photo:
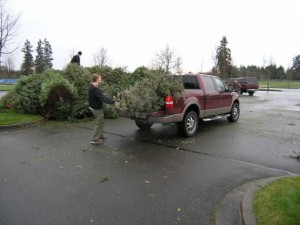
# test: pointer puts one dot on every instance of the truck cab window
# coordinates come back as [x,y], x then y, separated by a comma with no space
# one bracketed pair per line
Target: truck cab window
[220,84]
[209,83]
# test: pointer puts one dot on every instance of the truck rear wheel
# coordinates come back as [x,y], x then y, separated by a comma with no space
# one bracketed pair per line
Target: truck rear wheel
[143,124]
[235,112]
[189,125]
[251,93]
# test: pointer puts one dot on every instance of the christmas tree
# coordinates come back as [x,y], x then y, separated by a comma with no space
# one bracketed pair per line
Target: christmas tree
[148,95]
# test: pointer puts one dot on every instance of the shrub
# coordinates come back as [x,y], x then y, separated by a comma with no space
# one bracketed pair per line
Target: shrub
[5,101]
[110,112]
[110,76]
[56,96]
[115,76]
[80,78]
[137,75]
[117,81]
[25,97]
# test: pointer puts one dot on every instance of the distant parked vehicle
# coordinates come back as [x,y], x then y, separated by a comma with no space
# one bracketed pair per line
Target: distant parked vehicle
[246,84]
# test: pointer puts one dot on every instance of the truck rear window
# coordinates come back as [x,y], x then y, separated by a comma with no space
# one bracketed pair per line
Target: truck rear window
[252,80]
[190,82]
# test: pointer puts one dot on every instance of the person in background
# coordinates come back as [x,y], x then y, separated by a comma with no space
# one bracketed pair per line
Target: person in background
[236,87]
[76,58]
[96,98]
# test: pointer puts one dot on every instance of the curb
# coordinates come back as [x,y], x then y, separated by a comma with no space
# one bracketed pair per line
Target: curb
[246,213]
[23,125]
[236,207]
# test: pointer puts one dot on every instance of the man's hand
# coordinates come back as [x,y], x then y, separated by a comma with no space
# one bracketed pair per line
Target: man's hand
[117,104]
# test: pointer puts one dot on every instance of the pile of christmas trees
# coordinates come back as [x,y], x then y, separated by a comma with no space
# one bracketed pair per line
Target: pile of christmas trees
[148,94]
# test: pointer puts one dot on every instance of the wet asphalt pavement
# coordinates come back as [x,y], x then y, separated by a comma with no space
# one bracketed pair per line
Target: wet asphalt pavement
[51,175]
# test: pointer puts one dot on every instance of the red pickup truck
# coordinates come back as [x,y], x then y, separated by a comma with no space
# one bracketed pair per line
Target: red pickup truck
[205,97]
[246,84]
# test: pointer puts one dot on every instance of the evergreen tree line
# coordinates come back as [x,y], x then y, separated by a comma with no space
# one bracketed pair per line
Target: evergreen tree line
[225,69]
[270,72]
[43,59]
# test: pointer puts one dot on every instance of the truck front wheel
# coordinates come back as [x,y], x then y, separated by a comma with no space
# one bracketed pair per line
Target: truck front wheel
[143,124]
[189,125]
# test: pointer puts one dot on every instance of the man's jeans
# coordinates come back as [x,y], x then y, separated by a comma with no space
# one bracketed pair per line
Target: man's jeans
[98,130]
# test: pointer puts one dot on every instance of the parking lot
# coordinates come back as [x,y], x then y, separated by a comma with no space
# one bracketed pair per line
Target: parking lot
[52,175]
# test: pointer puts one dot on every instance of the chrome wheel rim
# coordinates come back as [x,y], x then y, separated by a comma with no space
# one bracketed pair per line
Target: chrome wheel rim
[191,124]
[235,112]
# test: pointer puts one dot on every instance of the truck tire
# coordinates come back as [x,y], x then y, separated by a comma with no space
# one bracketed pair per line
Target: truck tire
[189,125]
[234,113]
[143,124]
[251,93]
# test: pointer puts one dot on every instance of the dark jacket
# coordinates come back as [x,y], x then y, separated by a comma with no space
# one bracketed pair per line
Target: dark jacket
[97,98]
[76,59]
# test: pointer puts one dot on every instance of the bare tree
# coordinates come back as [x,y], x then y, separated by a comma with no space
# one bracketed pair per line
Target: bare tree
[269,69]
[177,65]
[167,60]
[101,57]
[8,30]
[215,61]
[289,74]
[72,53]
[9,63]
[266,72]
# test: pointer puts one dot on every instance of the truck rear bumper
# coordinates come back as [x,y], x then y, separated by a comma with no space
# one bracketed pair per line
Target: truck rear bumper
[157,117]
[251,89]
[165,119]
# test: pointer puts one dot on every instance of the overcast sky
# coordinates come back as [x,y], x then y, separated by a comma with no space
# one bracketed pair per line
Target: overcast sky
[132,31]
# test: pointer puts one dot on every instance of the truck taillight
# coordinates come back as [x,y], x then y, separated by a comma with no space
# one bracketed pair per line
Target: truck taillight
[169,102]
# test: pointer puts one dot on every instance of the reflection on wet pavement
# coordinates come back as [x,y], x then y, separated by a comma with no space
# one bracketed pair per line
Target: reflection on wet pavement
[286,99]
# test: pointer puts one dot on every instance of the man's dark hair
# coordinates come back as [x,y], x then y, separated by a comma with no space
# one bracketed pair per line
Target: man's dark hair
[79,53]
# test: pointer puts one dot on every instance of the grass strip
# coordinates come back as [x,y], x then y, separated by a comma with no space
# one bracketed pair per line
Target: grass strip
[281,84]
[10,117]
[278,203]
[4,87]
